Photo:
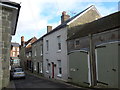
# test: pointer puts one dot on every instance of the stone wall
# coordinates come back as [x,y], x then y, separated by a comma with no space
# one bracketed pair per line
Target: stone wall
[5,42]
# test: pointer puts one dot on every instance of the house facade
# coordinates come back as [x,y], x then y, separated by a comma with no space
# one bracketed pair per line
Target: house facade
[9,13]
[26,52]
[55,59]
[37,56]
[14,54]
[93,53]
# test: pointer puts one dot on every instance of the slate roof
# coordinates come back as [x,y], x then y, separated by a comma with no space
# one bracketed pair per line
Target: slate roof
[103,24]
[29,41]
[15,44]
[64,24]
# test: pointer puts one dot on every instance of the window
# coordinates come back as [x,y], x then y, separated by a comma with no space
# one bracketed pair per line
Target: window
[35,52]
[13,48]
[18,49]
[47,45]
[35,66]
[77,42]
[29,53]
[13,54]
[41,67]
[47,66]
[59,42]
[59,68]
[41,48]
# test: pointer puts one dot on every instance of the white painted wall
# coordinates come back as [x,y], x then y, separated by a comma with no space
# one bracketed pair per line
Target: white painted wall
[53,54]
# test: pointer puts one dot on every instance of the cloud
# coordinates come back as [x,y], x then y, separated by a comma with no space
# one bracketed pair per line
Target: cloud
[35,15]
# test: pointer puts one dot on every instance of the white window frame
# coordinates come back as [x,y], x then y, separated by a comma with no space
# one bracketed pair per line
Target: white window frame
[47,66]
[59,67]
[59,42]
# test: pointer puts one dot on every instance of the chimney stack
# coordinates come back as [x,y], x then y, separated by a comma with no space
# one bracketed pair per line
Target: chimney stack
[49,28]
[64,17]
[22,40]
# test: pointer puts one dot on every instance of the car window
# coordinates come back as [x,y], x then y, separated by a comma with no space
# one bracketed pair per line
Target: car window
[18,70]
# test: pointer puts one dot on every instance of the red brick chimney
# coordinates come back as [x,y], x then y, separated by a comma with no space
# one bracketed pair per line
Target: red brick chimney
[49,28]
[22,40]
[64,17]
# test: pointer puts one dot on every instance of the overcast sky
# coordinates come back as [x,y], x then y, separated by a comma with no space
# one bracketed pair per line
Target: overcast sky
[35,15]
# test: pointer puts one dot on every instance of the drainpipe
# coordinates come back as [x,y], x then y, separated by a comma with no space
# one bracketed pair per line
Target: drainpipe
[92,62]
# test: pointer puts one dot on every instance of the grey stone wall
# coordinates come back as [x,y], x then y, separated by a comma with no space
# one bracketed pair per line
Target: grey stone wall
[39,57]
[5,42]
[104,37]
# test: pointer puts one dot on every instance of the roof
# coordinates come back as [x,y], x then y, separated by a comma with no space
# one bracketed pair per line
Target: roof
[29,41]
[64,24]
[16,9]
[41,38]
[103,24]
[15,44]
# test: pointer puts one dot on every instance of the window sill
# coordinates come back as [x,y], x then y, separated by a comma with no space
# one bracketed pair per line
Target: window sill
[46,53]
[58,51]
[47,71]
[59,75]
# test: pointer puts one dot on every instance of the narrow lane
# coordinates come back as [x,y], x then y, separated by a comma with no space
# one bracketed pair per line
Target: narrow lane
[35,82]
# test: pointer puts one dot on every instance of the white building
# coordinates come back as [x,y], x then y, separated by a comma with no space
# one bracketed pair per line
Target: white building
[55,61]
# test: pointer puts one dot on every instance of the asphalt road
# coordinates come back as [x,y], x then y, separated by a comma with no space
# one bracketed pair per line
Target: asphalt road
[35,82]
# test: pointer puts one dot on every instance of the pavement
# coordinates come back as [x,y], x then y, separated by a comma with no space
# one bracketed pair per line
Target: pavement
[11,86]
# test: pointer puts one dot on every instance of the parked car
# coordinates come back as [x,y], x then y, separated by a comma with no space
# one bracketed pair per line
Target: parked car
[17,73]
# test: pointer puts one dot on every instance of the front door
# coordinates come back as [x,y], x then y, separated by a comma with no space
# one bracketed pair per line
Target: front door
[37,67]
[52,69]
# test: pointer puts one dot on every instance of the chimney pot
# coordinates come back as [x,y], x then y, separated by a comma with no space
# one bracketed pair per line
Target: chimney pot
[64,13]
[49,28]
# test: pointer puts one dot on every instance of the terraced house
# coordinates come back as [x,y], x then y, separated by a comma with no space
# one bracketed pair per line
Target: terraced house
[14,54]
[93,53]
[9,12]
[37,56]
[55,59]
[26,53]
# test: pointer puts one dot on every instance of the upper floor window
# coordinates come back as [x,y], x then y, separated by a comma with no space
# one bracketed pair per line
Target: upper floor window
[47,45]
[13,48]
[77,42]
[41,48]
[35,52]
[18,49]
[59,42]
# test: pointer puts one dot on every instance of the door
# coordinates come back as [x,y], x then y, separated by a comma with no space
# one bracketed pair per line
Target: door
[78,67]
[107,64]
[52,69]
[38,67]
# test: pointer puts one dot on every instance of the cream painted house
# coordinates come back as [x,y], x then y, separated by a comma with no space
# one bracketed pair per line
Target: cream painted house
[55,58]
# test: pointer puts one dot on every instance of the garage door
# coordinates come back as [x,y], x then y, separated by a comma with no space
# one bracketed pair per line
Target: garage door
[107,64]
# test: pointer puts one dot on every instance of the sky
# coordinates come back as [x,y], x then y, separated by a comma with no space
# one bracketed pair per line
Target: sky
[36,15]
